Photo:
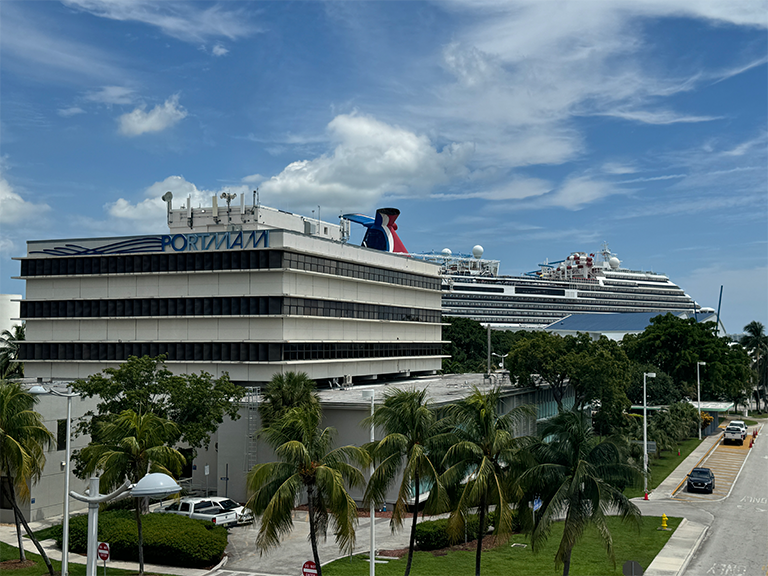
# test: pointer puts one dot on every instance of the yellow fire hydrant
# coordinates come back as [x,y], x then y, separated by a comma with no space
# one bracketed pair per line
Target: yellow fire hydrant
[664,523]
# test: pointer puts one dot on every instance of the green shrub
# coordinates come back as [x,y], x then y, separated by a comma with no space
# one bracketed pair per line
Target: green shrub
[433,534]
[168,539]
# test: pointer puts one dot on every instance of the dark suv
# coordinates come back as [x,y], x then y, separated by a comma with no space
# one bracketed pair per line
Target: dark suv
[701,479]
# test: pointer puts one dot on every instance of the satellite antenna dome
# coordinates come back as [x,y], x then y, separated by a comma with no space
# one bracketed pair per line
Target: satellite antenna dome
[477,251]
[614,262]
[446,252]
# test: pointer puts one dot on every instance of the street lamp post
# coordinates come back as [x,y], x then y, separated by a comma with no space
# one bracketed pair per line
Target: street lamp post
[698,391]
[366,395]
[645,432]
[502,358]
[155,484]
[67,466]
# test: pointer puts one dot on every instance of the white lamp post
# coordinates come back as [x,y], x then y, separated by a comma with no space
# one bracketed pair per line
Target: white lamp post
[366,395]
[155,484]
[645,432]
[698,391]
[502,358]
[67,466]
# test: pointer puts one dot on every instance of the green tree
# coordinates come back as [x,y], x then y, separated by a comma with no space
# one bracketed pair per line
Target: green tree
[130,446]
[409,425]
[196,403]
[23,441]
[307,464]
[467,346]
[578,477]
[287,391]
[541,358]
[755,341]
[660,391]
[482,448]
[10,340]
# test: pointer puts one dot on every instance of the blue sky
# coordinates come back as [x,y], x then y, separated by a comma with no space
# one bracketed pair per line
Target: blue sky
[533,128]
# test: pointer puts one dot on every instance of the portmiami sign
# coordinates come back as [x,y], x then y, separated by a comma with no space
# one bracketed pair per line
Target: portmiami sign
[197,242]
[205,241]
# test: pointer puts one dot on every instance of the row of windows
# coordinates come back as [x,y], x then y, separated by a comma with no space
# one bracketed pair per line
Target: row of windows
[217,261]
[575,303]
[222,306]
[224,351]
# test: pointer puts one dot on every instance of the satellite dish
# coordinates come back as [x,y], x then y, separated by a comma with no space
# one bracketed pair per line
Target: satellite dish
[477,251]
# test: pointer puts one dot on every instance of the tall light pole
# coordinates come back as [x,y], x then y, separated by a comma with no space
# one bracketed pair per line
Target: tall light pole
[38,389]
[502,358]
[645,432]
[372,395]
[698,391]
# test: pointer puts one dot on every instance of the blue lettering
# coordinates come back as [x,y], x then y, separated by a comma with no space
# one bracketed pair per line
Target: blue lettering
[220,237]
[192,239]
[183,246]
[203,238]
[165,239]
[238,241]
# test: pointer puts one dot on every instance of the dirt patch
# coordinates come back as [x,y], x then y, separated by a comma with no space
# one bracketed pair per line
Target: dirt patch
[16,564]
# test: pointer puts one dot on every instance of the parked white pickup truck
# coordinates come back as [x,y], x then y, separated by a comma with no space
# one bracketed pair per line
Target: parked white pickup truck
[201,509]
[733,434]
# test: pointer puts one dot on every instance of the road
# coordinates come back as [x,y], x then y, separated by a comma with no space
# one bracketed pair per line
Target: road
[737,541]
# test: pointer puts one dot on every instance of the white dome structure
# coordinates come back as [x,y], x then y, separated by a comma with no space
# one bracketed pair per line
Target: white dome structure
[477,251]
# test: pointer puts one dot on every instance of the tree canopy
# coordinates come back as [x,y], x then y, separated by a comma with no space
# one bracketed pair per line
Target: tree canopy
[195,403]
[10,367]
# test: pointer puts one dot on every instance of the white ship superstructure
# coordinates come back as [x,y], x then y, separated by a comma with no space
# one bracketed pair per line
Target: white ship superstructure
[582,283]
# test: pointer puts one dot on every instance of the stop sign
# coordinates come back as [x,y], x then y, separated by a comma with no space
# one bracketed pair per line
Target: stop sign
[309,568]
[103,551]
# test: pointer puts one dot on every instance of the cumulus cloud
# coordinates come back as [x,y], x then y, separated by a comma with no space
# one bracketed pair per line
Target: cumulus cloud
[111,95]
[156,120]
[148,214]
[219,50]
[16,210]
[371,159]
[184,21]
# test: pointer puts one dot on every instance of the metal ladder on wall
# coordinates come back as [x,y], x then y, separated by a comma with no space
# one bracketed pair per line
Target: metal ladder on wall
[251,403]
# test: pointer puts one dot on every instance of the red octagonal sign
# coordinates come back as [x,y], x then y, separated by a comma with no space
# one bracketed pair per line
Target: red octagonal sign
[103,551]
[309,568]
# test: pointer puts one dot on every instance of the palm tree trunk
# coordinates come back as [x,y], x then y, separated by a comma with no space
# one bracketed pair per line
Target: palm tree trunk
[141,537]
[22,552]
[480,534]
[567,563]
[20,517]
[312,534]
[412,539]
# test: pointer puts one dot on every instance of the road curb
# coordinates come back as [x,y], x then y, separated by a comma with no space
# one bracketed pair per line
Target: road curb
[692,551]
[709,451]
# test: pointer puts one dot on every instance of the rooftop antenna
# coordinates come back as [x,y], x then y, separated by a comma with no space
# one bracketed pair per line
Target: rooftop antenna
[168,199]
[228,198]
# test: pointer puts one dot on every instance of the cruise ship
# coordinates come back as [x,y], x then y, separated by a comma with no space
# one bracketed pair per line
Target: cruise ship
[581,283]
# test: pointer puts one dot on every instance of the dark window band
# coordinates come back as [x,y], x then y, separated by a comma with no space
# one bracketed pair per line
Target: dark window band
[222,306]
[217,261]
[223,351]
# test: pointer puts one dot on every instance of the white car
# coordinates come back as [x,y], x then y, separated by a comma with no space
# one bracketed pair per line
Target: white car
[740,424]
[244,515]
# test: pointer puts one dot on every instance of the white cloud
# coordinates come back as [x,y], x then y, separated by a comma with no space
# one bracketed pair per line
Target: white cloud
[468,64]
[219,50]
[71,111]
[16,210]
[618,168]
[149,214]
[657,117]
[112,95]
[159,118]
[371,159]
[184,21]
[578,191]
[514,189]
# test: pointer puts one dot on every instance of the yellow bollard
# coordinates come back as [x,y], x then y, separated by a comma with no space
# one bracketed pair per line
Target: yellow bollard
[664,523]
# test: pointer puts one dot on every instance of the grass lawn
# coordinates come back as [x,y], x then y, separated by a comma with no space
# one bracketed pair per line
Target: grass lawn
[663,466]
[8,552]
[588,559]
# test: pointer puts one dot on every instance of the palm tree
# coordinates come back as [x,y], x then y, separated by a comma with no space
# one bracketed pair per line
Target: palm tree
[286,391]
[481,459]
[756,343]
[579,477]
[10,367]
[307,463]
[130,446]
[409,423]
[23,441]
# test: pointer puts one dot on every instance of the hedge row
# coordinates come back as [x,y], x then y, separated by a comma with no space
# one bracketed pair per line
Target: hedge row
[433,534]
[168,539]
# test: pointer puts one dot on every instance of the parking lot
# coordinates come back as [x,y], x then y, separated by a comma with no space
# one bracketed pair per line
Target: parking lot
[726,462]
